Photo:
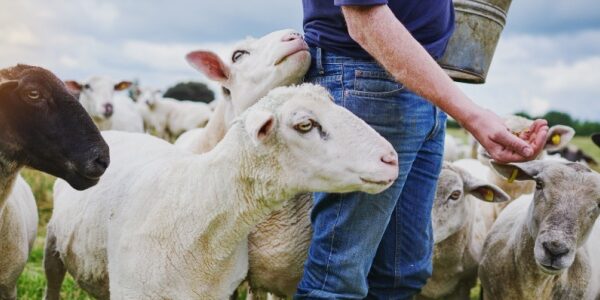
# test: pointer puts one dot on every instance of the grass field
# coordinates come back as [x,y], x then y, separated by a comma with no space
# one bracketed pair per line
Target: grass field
[32,281]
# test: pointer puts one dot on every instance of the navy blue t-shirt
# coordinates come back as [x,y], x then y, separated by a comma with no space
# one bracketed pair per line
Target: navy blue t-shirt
[431,22]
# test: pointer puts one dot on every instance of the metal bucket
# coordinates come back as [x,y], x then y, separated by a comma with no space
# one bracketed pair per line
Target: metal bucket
[477,30]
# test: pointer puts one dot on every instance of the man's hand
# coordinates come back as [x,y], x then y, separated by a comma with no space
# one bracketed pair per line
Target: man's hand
[503,145]
[378,31]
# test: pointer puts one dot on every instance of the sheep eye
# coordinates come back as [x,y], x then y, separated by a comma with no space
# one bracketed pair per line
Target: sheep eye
[455,195]
[237,54]
[304,126]
[87,87]
[539,184]
[33,95]
[226,91]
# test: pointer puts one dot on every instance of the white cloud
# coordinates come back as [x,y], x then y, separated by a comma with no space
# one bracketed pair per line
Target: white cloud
[561,70]
[18,36]
[538,106]
[581,75]
[168,56]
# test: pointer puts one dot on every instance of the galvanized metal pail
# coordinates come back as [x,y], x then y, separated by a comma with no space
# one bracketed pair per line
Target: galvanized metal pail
[477,30]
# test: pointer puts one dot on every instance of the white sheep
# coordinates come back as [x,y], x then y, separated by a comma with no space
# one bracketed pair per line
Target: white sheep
[558,137]
[545,246]
[175,224]
[454,149]
[459,231]
[18,228]
[168,118]
[109,111]
[255,67]
[45,128]
[278,246]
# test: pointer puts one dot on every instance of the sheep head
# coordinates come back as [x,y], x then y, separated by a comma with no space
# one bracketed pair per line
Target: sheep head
[450,208]
[255,66]
[566,204]
[44,127]
[316,144]
[96,95]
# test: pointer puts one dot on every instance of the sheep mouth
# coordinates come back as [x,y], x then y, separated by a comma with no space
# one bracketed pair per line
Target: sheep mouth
[88,177]
[550,269]
[551,266]
[80,181]
[376,182]
[291,53]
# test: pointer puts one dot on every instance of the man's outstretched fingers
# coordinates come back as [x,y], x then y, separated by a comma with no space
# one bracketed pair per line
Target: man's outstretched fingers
[537,139]
[506,155]
[513,143]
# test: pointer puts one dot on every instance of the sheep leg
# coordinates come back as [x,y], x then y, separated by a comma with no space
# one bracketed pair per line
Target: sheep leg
[8,292]
[234,296]
[54,269]
[272,297]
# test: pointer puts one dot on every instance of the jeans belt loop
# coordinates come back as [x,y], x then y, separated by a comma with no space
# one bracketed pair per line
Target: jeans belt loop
[319,60]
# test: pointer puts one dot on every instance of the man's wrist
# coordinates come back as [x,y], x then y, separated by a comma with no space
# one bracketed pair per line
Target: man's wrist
[469,118]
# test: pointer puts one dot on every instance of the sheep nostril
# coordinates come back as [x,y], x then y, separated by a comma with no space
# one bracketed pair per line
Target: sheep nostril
[291,37]
[101,162]
[555,249]
[390,159]
[108,110]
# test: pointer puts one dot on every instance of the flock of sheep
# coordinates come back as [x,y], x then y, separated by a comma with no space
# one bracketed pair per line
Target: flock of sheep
[229,201]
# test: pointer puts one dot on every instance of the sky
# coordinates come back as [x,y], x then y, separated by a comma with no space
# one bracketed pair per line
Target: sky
[548,57]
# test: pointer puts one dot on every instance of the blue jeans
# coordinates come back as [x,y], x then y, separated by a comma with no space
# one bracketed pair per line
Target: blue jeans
[376,246]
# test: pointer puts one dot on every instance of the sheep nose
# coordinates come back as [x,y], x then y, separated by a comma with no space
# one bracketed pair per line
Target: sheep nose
[97,166]
[292,37]
[555,249]
[390,159]
[108,110]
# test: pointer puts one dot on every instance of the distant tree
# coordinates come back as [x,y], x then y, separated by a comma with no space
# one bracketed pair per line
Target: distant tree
[582,127]
[451,123]
[587,128]
[524,115]
[557,117]
[193,91]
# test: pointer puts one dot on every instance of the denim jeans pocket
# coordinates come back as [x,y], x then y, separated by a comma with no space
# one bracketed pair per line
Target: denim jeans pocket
[374,84]
[381,111]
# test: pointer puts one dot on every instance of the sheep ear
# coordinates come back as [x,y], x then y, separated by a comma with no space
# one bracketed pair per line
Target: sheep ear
[8,85]
[596,139]
[123,85]
[481,189]
[74,86]
[259,124]
[488,192]
[558,137]
[209,64]
[519,171]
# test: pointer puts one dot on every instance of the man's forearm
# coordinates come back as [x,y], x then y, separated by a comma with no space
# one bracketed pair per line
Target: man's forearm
[378,31]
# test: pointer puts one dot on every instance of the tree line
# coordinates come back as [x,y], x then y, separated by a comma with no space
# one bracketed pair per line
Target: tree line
[582,127]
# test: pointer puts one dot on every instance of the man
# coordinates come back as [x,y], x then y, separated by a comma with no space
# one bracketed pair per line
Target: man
[377,58]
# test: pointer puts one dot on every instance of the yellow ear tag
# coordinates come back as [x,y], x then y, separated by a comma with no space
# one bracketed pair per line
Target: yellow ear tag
[489,195]
[513,175]
[556,139]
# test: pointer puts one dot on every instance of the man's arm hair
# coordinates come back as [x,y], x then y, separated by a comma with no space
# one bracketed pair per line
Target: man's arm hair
[380,33]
